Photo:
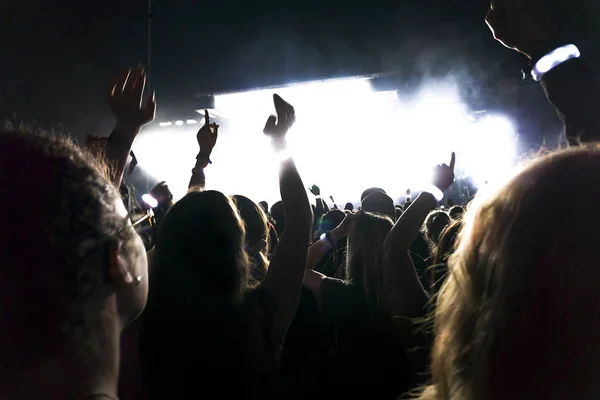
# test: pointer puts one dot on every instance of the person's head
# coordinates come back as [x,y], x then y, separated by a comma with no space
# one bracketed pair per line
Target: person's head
[370,191]
[447,241]
[364,262]
[349,207]
[518,315]
[332,219]
[200,251]
[435,223]
[456,212]
[257,234]
[399,211]
[278,216]
[265,206]
[379,203]
[71,260]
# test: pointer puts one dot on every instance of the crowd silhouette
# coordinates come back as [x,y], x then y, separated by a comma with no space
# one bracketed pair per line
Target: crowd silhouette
[103,296]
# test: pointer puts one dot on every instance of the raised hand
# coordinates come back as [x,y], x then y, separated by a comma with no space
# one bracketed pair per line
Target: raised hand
[207,136]
[278,126]
[125,99]
[314,189]
[443,175]
[345,227]
[161,193]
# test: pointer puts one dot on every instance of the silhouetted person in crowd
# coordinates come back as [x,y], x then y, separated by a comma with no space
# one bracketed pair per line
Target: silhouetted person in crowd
[456,212]
[202,308]
[257,236]
[518,314]
[265,206]
[73,275]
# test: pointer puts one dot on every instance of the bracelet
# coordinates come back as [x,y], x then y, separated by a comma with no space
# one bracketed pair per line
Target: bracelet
[554,59]
[204,156]
[328,238]
[435,192]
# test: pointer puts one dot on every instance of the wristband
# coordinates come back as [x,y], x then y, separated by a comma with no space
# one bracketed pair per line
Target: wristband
[328,239]
[435,192]
[553,59]
[283,155]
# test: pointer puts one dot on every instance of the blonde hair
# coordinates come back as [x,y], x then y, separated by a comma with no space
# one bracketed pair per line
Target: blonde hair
[518,315]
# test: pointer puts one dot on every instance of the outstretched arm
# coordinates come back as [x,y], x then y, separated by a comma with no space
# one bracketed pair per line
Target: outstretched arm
[207,139]
[286,270]
[404,292]
[125,99]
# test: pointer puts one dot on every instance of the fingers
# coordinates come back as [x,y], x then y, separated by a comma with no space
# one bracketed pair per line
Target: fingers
[283,108]
[270,124]
[215,129]
[452,161]
[122,83]
[150,107]
[111,89]
[138,84]
[206,118]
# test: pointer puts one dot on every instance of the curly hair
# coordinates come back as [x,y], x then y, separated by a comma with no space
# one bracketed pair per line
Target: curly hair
[57,215]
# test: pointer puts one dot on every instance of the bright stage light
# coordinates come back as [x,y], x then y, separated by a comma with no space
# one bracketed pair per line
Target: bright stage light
[178,123]
[191,122]
[346,138]
[165,124]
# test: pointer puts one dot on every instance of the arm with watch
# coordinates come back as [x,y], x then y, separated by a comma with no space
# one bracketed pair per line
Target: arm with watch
[560,39]
[404,293]
[572,86]
[328,241]
[207,139]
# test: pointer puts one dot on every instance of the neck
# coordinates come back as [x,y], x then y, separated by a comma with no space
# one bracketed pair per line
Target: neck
[86,366]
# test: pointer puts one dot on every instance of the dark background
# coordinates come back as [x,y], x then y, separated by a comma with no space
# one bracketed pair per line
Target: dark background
[58,56]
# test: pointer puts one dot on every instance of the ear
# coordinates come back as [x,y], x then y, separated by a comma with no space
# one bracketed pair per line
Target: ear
[118,273]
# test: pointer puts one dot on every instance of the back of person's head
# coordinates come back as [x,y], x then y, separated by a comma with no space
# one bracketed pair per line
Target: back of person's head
[456,212]
[349,207]
[364,263]
[257,234]
[447,241]
[518,316]
[200,252]
[66,247]
[370,191]
[435,223]
[332,219]
[379,203]
[265,206]
[399,211]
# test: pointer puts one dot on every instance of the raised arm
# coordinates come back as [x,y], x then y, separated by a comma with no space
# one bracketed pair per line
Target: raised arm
[328,241]
[404,292]
[207,139]
[560,40]
[286,270]
[125,99]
